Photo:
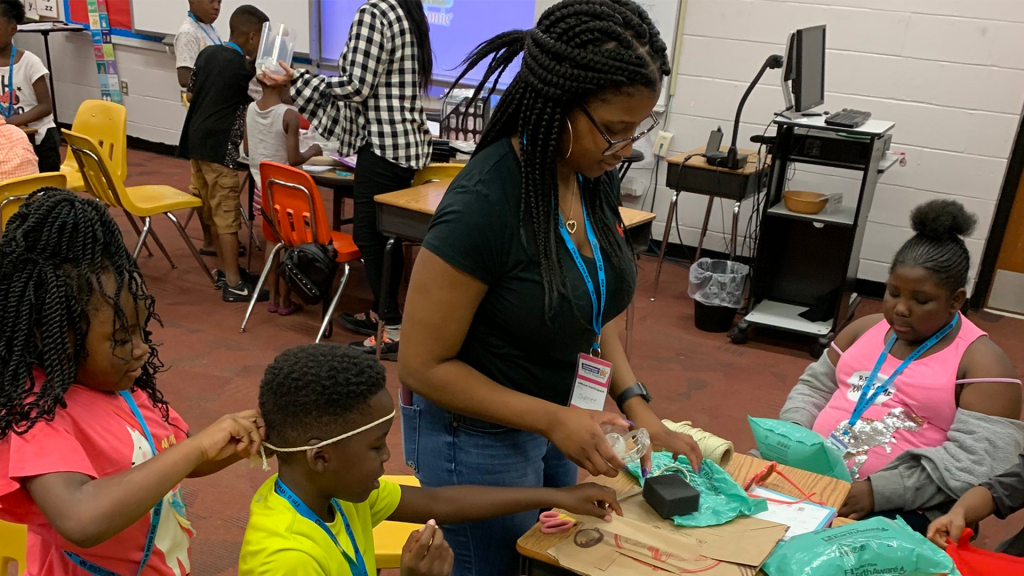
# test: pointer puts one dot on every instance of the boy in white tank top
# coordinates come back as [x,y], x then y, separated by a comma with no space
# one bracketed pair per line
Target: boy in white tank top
[272,133]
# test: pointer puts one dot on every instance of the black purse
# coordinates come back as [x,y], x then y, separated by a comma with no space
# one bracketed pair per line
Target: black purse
[310,270]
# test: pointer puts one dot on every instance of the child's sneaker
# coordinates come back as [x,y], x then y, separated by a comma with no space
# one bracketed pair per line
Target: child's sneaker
[243,292]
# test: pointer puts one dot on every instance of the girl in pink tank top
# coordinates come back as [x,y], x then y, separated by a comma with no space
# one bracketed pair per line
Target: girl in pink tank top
[915,411]
[902,376]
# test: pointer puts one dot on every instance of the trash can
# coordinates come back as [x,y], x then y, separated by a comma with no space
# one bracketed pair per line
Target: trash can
[717,288]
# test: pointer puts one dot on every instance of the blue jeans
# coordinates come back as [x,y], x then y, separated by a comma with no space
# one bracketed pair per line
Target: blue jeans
[447,449]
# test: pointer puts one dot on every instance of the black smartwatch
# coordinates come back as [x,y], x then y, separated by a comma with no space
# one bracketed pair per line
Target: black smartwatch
[637,389]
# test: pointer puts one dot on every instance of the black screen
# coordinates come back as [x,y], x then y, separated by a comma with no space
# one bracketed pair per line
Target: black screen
[809,80]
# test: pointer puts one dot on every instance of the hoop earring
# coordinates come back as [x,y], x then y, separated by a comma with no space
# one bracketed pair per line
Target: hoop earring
[571,137]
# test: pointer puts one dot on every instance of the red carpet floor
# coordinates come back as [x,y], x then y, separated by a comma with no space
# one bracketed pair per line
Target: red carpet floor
[213,369]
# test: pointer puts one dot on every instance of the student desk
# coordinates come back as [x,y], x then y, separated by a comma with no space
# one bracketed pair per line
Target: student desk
[28,131]
[341,186]
[690,172]
[406,214]
[534,545]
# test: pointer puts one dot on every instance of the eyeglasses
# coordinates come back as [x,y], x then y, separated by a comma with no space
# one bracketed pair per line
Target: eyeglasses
[617,145]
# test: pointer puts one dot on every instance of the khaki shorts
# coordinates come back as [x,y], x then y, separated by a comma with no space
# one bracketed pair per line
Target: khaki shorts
[220,191]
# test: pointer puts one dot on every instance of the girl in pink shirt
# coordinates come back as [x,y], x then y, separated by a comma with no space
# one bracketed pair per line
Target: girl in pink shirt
[91,455]
[901,378]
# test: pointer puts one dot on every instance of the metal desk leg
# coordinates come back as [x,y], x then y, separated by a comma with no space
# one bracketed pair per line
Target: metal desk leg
[53,93]
[664,243]
[735,229]
[704,227]
[337,207]
[385,281]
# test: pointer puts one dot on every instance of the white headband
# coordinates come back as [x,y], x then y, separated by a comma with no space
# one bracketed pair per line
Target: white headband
[263,453]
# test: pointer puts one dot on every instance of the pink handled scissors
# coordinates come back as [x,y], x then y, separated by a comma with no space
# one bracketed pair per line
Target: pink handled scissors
[553,522]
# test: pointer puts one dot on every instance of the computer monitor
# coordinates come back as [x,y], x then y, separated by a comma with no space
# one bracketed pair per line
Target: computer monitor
[805,68]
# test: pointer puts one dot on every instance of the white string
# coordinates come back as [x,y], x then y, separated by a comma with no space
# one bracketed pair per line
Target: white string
[263,452]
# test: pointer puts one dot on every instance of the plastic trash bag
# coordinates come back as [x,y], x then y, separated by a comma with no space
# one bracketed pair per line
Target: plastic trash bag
[872,547]
[793,445]
[721,498]
[718,282]
[977,562]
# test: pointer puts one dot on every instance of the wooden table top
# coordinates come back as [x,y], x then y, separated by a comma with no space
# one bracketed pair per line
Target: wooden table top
[332,176]
[27,130]
[425,198]
[700,162]
[830,491]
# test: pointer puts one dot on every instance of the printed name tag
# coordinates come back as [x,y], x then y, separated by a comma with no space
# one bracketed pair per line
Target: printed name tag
[591,387]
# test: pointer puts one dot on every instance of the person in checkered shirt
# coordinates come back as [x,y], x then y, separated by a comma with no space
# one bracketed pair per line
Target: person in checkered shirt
[18,159]
[374,108]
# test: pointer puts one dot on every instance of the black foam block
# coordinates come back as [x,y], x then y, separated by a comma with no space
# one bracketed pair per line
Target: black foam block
[670,495]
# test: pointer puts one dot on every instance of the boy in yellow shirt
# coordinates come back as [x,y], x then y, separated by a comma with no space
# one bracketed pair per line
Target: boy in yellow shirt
[327,414]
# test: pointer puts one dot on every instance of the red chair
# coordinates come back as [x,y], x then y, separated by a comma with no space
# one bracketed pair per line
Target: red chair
[293,202]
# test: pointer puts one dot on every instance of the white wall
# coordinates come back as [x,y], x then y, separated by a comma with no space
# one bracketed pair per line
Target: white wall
[950,73]
[154,105]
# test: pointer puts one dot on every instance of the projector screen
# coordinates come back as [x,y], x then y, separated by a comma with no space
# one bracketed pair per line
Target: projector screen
[456,27]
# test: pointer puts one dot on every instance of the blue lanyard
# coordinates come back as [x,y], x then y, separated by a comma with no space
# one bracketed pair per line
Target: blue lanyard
[10,83]
[235,46]
[598,314]
[213,40]
[869,393]
[154,523]
[357,566]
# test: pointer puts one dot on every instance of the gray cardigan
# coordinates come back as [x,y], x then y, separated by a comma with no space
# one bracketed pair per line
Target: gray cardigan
[979,447]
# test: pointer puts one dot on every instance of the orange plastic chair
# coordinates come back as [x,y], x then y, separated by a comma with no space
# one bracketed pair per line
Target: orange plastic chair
[297,211]
[435,172]
[12,548]
[389,537]
[107,124]
[14,192]
[141,201]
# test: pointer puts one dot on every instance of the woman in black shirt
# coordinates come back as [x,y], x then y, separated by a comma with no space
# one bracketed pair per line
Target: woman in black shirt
[525,246]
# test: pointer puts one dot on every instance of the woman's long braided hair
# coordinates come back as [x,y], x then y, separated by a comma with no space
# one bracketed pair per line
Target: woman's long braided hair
[53,252]
[579,50]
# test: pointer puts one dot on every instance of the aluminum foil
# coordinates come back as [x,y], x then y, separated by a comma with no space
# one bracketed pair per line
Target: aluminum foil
[868,433]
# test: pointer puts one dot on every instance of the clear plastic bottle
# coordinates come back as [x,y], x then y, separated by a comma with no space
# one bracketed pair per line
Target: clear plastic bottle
[629,445]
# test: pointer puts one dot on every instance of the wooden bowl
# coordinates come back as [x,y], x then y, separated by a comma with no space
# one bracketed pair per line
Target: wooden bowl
[804,202]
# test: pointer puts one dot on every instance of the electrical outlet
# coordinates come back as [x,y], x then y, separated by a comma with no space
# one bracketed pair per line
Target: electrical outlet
[662,143]
[124,87]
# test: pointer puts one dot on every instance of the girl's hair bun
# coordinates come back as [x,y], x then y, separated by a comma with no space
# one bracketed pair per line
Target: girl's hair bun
[942,219]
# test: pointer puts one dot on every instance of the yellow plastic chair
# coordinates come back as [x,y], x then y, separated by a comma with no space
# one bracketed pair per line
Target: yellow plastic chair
[12,548]
[141,201]
[107,124]
[435,172]
[390,537]
[14,192]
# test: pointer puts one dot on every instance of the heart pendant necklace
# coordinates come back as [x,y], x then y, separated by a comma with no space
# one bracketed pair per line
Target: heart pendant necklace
[570,224]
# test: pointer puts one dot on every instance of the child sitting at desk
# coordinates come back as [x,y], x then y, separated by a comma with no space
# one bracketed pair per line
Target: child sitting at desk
[328,414]
[272,134]
[24,94]
[211,137]
[926,405]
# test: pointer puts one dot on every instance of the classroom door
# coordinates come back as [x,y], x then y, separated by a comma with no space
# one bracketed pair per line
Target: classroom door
[1007,294]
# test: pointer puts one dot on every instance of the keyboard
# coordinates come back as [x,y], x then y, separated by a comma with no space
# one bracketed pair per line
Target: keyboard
[847,118]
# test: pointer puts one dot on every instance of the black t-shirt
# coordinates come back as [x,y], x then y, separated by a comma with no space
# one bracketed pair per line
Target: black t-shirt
[215,120]
[477,229]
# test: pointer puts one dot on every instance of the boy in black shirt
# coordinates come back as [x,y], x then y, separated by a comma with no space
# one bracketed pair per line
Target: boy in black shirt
[211,136]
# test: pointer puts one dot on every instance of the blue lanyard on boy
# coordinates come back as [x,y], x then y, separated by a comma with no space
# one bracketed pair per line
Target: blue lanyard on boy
[868,395]
[214,38]
[10,83]
[154,523]
[357,565]
[235,46]
[598,314]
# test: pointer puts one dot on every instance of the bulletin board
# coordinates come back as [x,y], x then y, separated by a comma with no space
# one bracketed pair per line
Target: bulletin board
[119,11]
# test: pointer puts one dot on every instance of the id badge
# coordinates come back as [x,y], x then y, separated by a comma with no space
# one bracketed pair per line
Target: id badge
[836,441]
[593,376]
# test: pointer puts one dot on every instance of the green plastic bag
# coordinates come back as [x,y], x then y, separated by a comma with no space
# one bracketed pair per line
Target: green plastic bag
[721,498]
[873,547]
[793,445]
